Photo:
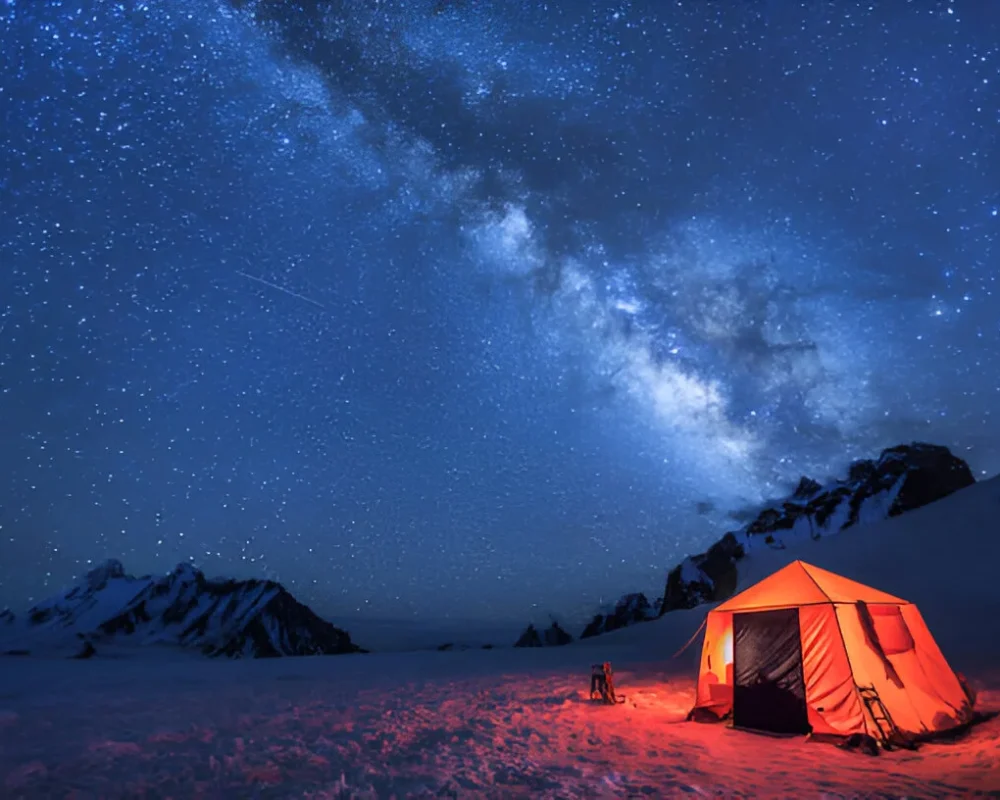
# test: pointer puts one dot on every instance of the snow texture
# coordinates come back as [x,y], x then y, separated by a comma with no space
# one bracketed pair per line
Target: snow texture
[510,723]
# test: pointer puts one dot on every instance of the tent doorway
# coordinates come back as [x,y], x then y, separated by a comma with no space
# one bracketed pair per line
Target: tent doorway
[769,691]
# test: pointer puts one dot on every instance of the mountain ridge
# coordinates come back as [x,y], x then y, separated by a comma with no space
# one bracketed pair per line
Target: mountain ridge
[900,479]
[256,618]
[235,618]
[903,478]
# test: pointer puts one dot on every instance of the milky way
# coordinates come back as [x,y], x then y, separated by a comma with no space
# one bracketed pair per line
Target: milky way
[484,309]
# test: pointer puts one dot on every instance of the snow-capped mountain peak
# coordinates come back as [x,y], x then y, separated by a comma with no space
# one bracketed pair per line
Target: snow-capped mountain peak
[901,479]
[186,572]
[97,578]
[84,605]
[236,618]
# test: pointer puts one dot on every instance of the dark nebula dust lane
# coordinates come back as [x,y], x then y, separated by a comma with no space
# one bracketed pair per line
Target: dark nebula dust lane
[472,308]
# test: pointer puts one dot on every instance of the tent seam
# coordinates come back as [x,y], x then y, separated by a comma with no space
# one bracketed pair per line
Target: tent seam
[828,602]
[822,591]
[807,567]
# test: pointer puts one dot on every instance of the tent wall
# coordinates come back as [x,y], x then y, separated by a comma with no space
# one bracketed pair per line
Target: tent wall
[845,645]
[715,670]
[831,699]
[932,673]
[904,664]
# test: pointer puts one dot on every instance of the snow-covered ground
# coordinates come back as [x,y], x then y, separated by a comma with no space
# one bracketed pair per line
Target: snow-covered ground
[478,723]
[503,723]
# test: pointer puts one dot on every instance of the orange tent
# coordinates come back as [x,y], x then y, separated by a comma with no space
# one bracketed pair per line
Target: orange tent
[798,651]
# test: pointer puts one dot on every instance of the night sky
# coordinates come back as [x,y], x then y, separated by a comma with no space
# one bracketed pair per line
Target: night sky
[481,308]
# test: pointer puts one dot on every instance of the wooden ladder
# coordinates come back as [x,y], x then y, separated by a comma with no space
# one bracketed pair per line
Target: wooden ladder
[889,734]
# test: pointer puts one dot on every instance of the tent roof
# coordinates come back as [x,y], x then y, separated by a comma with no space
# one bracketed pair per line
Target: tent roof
[801,584]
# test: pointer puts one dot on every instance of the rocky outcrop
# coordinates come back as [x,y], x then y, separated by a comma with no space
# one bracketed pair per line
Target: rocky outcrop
[630,609]
[929,473]
[530,638]
[7,617]
[901,479]
[807,488]
[87,650]
[703,578]
[553,636]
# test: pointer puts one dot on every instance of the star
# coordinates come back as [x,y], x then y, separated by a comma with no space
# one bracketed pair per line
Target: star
[430,310]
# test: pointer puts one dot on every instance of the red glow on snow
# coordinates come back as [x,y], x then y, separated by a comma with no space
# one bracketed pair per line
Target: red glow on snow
[417,725]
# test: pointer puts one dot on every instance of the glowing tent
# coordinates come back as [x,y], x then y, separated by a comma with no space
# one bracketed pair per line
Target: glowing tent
[805,650]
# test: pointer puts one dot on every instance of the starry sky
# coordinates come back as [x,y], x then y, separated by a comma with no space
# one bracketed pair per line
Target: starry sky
[478,308]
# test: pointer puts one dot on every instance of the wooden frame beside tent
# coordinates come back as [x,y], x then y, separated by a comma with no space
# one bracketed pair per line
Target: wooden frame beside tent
[806,650]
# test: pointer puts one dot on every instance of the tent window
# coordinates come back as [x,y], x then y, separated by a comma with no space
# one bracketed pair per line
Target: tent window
[893,635]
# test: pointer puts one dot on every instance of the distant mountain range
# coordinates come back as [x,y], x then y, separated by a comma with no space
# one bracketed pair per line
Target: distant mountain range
[260,618]
[233,618]
[901,479]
